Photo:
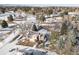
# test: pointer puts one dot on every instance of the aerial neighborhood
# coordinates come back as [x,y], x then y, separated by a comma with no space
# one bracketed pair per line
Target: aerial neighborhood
[39,30]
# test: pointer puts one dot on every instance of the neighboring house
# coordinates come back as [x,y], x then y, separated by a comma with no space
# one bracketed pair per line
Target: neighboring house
[6,15]
[45,33]
[54,19]
[49,20]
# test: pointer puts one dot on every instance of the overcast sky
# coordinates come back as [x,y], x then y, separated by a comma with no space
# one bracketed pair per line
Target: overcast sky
[42,5]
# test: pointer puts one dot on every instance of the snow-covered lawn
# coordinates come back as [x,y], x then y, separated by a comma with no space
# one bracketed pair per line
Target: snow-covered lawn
[8,46]
[9,39]
[11,36]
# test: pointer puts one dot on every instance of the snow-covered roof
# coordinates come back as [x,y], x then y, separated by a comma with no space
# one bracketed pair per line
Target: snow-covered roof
[52,15]
[43,31]
[6,29]
[7,13]
[59,18]
[4,16]
[12,25]
[49,20]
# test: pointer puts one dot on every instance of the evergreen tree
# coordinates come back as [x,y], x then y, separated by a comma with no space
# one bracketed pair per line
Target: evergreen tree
[34,28]
[64,28]
[10,18]
[4,24]
[50,11]
[42,18]
[65,13]
[3,10]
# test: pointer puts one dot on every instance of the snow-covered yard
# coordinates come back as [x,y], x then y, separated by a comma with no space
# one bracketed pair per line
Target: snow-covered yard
[10,42]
